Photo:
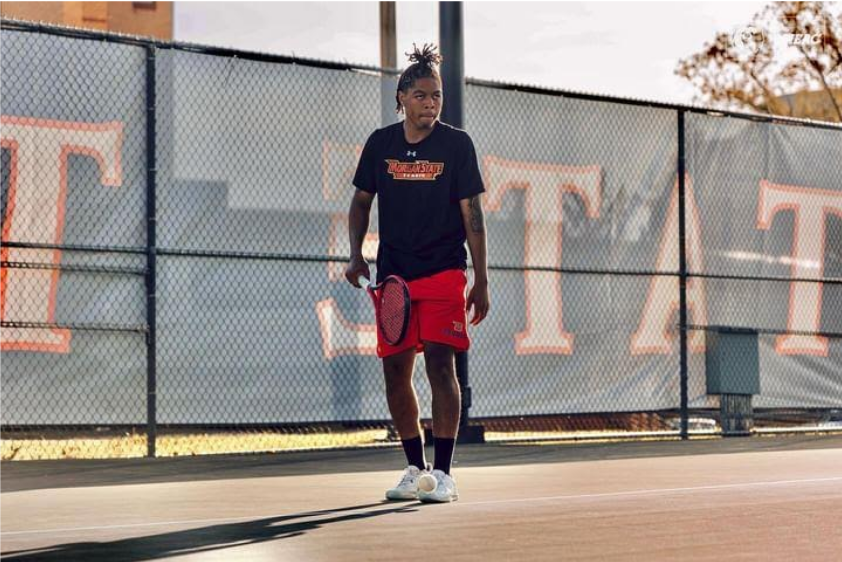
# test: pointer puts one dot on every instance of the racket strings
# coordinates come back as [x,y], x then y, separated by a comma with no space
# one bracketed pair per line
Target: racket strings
[393,300]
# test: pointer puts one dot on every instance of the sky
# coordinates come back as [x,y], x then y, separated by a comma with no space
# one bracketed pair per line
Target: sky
[627,49]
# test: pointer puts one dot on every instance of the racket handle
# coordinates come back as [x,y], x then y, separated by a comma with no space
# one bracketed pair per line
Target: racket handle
[364,283]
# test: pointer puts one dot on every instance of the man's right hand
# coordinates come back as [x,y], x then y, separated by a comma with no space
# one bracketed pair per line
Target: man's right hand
[356,267]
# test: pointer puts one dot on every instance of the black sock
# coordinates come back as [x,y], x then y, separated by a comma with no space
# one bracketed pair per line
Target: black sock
[444,454]
[414,450]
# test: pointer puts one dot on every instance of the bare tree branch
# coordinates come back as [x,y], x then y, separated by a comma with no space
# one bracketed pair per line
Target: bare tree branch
[788,50]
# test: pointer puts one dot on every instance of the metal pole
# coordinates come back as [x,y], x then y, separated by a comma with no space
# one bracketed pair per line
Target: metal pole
[682,279]
[388,59]
[151,372]
[453,65]
[466,392]
[388,115]
[451,25]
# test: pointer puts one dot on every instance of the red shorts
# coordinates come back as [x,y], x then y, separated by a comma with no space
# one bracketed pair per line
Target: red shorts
[437,314]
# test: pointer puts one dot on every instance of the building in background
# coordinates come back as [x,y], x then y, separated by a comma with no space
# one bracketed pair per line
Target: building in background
[151,19]
[811,105]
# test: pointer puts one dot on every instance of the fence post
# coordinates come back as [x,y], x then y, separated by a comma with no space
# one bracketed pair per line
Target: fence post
[151,162]
[682,279]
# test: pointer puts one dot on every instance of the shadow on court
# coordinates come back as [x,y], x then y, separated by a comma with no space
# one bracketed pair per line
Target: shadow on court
[210,538]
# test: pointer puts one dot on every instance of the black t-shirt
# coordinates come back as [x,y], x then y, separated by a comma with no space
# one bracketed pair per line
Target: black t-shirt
[419,188]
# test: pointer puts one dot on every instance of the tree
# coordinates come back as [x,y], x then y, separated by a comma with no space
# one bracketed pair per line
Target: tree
[791,52]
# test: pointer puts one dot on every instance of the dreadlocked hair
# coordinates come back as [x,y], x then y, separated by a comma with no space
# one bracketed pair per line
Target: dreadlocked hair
[424,63]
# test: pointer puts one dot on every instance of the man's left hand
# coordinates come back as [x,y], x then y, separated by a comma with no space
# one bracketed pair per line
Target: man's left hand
[478,299]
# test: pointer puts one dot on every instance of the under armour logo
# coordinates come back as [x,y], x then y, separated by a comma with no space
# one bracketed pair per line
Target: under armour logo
[411,153]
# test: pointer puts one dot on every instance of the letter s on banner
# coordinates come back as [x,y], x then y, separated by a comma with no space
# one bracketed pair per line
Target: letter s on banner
[340,336]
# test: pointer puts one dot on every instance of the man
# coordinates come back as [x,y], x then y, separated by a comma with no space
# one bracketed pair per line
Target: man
[427,177]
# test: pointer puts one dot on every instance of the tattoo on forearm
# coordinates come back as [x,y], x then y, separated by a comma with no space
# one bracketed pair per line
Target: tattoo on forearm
[477,220]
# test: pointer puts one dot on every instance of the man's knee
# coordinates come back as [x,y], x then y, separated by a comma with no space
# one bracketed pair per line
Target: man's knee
[440,362]
[398,368]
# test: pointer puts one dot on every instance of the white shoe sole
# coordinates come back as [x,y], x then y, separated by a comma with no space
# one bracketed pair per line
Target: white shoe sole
[393,495]
[425,498]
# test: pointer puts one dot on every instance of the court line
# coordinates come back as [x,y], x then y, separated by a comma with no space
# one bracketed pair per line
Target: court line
[655,491]
[645,492]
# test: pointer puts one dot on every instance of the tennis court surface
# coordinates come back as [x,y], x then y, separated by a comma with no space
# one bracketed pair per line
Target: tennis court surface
[776,498]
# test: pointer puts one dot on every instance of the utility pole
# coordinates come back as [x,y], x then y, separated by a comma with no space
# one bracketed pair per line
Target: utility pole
[388,59]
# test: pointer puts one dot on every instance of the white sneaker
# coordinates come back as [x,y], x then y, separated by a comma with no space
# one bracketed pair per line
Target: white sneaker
[407,488]
[445,490]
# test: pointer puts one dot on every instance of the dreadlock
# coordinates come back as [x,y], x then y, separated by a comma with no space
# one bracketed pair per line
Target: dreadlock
[423,65]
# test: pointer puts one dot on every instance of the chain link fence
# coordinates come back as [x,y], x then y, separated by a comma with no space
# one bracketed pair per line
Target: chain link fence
[175,232]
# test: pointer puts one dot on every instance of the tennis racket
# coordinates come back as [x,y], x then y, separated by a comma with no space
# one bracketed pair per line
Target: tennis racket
[391,306]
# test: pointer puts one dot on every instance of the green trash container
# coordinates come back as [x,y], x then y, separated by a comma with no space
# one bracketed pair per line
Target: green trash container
[732,365]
